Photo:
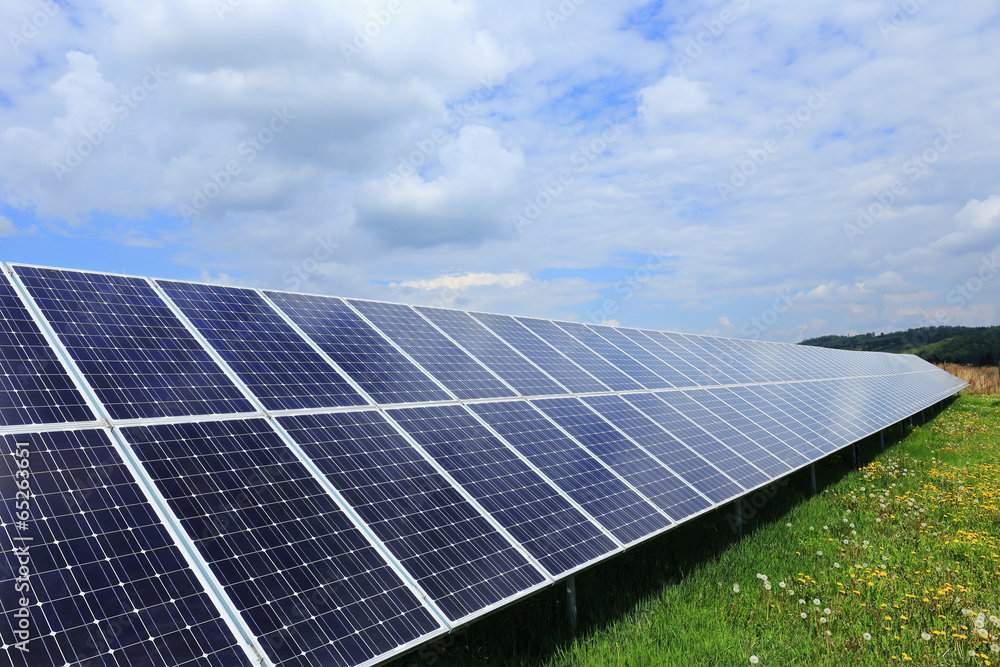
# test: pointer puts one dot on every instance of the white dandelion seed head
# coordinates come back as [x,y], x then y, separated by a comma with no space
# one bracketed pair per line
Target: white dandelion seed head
[867,637]
[995,648]
[822,619]
[803,615]
[816,602]
[827,611]
[819,553]
[925,636]
[767,587]
[781,583]
[801,601]
[827,633]
[736,588]
[754,660]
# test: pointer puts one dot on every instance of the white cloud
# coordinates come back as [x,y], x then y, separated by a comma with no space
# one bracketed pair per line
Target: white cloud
[467,280]
[672,96]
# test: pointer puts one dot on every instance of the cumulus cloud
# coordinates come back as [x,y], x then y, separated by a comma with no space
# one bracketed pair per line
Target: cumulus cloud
[464,281]
[672,96]
[466,204]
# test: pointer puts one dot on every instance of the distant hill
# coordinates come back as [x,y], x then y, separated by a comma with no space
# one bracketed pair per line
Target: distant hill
[959,345]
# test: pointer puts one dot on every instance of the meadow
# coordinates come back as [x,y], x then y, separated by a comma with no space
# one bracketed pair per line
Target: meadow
[981,379]
[895,563]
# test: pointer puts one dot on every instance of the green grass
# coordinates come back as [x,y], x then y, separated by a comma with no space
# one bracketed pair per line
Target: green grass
[897,550]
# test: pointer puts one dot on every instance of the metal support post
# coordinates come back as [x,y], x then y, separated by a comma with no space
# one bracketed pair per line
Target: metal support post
[571,604]
[812,476]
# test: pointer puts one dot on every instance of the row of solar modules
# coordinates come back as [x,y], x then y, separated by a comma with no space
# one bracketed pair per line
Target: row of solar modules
[341,534]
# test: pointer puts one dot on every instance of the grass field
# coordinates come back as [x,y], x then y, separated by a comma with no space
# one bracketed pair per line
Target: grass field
[981,379]
[898,563]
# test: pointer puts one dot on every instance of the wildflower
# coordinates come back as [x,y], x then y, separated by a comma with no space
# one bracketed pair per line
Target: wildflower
[827,611]
[762,577]
[819,553]
[982,633]
[816,602]
[781,583]
[867,637]
[995,648]
[925,636]
[837,565]
[789,524]
[822,619]
[827,633]
[767,586]
[803,615]
[801,601]
[736,588]
[754,660]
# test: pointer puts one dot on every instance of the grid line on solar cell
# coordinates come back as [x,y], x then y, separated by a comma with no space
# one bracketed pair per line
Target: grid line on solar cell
[681,347]
[711,400]
[617,337]
[777,396]
[450,365]
[269,357]
[546,357]
[807,441]
[600,491]
[108,585]
[517,371]
[137,356]
[582,355]
[34,386]
[555,533]
[684,374]
[446,545]
[358,349]
[628,417]
[647,475]
[733,365]
[769,465]
[615,356]
[308,583]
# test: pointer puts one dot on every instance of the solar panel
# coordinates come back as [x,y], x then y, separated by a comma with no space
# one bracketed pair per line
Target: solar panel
[541,353]
[447,546]
[582,476]
[614,355]
[362,352]
[554,532]
[644,427]
[584,357]
[105,584]
[310,586]
[137,356]
[501,455]
[272,360]
[650,477]
[34,386]
[496,355]
[451,366]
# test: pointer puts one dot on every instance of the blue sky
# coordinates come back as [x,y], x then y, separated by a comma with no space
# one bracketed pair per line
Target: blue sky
[748,168]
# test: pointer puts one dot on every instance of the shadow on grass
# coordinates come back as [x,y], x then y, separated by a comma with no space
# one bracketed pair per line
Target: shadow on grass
[529,632]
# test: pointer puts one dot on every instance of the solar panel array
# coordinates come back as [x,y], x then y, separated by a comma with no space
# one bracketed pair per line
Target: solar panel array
[211,476]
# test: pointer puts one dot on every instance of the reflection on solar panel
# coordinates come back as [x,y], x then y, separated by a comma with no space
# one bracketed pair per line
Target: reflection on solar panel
[277,365]
[34,387]
[454,368]
[544,355]
[362,352]
[518,372]
[408,469]
[136,354]
[311,587]
[650,477]
[550,528]
[106,585]
[451,550]
[596,488]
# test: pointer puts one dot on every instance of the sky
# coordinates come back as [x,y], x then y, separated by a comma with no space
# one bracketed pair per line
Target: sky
[758,169]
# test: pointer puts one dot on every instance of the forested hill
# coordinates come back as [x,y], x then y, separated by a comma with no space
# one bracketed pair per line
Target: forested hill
[960,345]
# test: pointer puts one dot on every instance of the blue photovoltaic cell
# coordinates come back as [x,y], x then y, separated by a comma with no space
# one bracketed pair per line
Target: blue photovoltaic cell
[803,439]
[638,468]
[136,354]
[632,348]
[682,374]
[310,586]
[586,358]
[615,356]
[276,364]
[34,386]
[680,347]
[544,355]
[463,375]
[725,411]
[624,513]
[768,465]
[776,396]
[446,545]
[478,341]
[107,586]
[728,357]
[646,430]
[360,351]
[817,406]
[550,528]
